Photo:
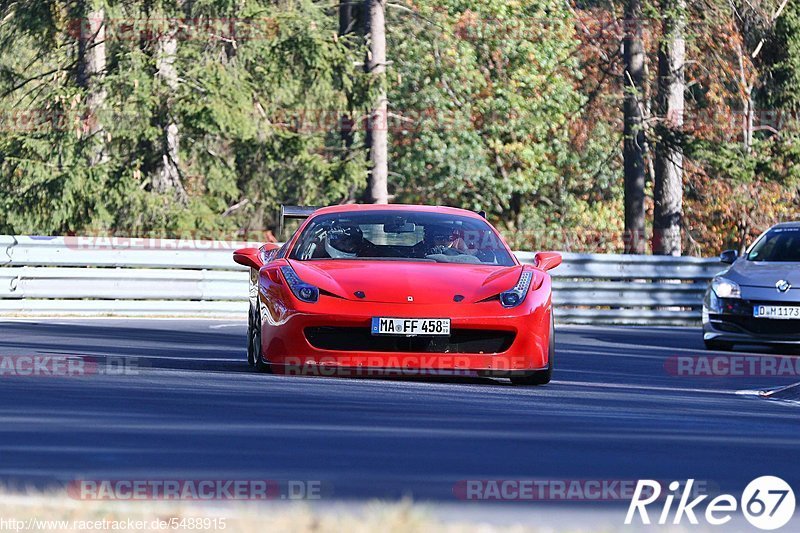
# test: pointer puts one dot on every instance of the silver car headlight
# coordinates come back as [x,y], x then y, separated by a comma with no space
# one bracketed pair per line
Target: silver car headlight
[725,288]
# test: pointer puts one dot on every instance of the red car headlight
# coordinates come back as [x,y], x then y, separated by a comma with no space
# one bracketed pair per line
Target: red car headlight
[305,292]
[516,295]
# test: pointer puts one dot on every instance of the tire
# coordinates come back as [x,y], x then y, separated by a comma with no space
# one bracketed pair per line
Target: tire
[251,360]
[720,346]
[258,359]
[541,377]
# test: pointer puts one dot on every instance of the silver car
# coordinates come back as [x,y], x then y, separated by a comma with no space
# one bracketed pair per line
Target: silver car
[757,299]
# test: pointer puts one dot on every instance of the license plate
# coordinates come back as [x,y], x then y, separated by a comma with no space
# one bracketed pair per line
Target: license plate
[784,312]
[410,326]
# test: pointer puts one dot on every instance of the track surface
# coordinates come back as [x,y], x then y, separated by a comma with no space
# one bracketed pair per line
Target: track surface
[194,410]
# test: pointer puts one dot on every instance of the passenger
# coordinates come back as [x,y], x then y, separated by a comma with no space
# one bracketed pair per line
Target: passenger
[443,240]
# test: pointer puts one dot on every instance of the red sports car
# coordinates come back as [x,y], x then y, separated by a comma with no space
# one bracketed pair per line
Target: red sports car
[403,289]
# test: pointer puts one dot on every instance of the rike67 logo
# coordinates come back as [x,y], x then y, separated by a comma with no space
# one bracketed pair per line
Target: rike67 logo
[767,503]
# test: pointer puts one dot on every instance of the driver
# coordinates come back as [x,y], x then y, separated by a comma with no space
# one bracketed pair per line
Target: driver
[344,242]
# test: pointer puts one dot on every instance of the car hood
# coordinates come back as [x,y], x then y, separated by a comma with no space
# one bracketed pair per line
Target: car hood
[396,281]
[763,274]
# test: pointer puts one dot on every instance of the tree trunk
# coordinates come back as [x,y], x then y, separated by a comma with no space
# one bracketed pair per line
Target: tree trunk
[668,187]
[634,139]
[168,177]
[346,24]
[747,102]
[91,67]
[377,127]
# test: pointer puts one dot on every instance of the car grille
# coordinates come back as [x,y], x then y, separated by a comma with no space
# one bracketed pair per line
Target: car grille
[762,326]
[362,340]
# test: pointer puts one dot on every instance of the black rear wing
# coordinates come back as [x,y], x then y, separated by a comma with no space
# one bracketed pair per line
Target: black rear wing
[296,212]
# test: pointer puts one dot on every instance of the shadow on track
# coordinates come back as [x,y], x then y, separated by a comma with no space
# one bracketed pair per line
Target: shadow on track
[156,347]
[654,339]
[163,348]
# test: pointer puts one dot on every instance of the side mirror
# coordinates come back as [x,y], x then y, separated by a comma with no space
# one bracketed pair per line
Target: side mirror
[256,257]
[728,256]
[268,252]
[547,260]
[249,257]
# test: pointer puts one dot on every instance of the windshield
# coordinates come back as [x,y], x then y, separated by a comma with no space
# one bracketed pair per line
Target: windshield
[401,235]
[778,245]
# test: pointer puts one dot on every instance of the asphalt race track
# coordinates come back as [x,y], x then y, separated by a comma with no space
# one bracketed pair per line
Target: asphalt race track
[190,408]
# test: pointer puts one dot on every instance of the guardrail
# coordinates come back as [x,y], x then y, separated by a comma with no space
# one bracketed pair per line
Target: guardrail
[162,277]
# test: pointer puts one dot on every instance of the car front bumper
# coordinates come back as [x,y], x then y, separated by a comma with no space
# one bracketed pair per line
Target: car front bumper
[732,320]
[334,338]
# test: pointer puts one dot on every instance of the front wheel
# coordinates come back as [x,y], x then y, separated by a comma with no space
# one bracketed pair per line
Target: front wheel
[258,357]
[251,334]
[541,377]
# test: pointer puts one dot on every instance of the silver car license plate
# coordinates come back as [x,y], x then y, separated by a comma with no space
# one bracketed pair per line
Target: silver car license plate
[779,312]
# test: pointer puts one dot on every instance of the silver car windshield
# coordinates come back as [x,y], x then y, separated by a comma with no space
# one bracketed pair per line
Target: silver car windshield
[401,235]
[779,245]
